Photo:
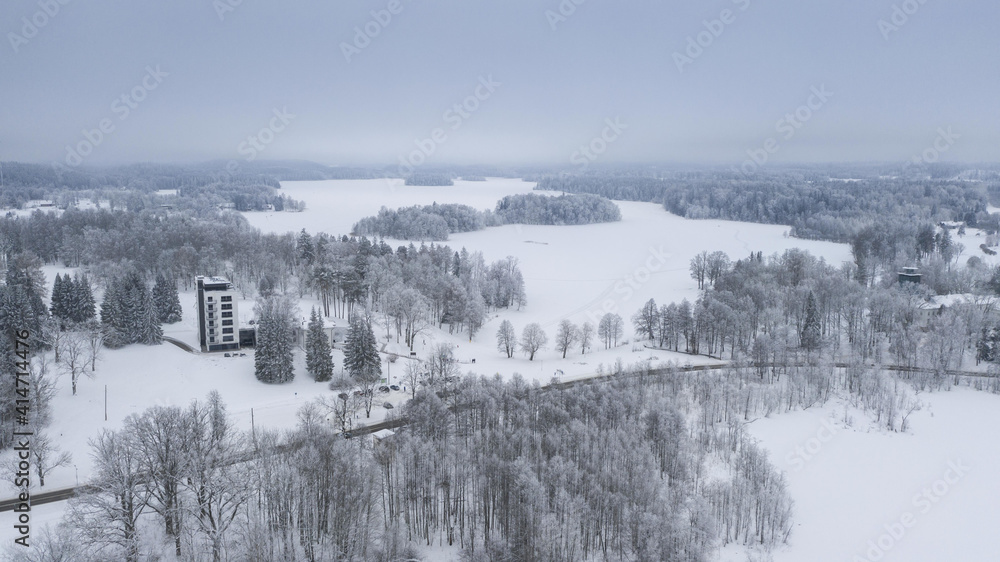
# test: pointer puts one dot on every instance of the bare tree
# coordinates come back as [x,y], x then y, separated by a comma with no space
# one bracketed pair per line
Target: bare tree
[95,343]
[159,433]
[74,360]
[342,406]
[507,338]
[107,518]
[647,320]
[609,329]
[214,481]
[415,314]
[586,336]
[46,456]
[566,336]
[699,268]
[441,364]
[412,374]
[533,340]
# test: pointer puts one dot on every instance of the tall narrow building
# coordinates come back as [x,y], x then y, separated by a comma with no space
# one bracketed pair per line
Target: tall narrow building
[218,320]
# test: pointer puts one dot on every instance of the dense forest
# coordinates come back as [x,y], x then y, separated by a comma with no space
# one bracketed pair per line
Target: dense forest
[429,179]
[813,203]
[436,221]
[245,186]
[645,467]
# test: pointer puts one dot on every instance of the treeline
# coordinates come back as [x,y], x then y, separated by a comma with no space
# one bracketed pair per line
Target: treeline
[436,222]
[245,187]
[429,179]
[814,205]
[425,222]
[411,288]
[532,208]
[499,470]
[415,287]
[768,311]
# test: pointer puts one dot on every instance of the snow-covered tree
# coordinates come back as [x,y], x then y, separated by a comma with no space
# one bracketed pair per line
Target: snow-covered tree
[82,306]
[646,320]
[811,336]
[586,336]
[319,361]
[533,340]
[441,364]
[168,302]
[59,307]
[566,336]
[609,329]
[128,313]
[361,358]
[107,517]
[507,338]
[275,327]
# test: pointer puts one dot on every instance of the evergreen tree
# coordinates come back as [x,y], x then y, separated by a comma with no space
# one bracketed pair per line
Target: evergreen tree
[273,356]
[111,316]
[319,362]
[304,245]
[167,301]
[150,331]
[361,357]
[58,306]
[811,334]
[83,303]
[129,314]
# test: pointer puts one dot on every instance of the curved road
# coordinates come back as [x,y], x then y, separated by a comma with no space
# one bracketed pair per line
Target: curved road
[67,493]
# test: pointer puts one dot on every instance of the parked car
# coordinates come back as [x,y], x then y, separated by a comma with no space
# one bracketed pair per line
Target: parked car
[387,405]
[383,388]
[394,386]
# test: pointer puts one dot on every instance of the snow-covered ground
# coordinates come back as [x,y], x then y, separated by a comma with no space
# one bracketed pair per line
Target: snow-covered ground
[856,482]
[862,493]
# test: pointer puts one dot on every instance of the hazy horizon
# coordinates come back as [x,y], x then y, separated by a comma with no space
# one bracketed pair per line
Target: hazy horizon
[360,85]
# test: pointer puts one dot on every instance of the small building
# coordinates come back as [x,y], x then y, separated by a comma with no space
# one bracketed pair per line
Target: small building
[336,334]
[248,337]
[909,275]
[218,321]
[934,306]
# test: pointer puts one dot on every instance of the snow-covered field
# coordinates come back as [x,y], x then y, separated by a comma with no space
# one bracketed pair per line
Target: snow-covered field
[855,483]
[865,494]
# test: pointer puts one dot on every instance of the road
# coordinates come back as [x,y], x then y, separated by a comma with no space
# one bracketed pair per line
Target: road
[67,493]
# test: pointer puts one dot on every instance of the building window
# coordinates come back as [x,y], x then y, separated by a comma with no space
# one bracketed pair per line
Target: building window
[209,298]
[211,315]
[227,314]
[227,307]
[227,322]
[212,340]
[227,338]
[211,306]
[211,331]
[227,330]
[227,299]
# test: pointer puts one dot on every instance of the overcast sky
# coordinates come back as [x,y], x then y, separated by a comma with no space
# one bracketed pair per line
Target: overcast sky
[556,79]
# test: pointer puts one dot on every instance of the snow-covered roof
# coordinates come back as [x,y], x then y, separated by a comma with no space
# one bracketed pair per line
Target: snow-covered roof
[955,299]
[382,434]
